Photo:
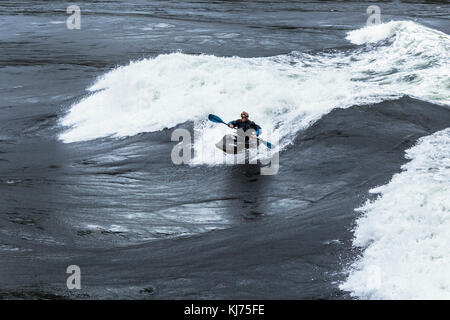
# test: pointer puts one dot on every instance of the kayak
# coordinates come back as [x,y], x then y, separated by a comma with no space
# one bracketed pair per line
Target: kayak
[230,144]
[216,119]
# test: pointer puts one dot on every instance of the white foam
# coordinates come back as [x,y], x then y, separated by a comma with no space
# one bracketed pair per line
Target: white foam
[283,94]
[164,25]
[373,33]
[406,231]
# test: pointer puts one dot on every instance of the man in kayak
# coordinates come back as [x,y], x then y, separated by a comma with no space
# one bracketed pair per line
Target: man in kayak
[245,124]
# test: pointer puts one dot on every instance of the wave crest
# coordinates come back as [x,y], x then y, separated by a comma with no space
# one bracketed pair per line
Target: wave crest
[284,94]
[405,231]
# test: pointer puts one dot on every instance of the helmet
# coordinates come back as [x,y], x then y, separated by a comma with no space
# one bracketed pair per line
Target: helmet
[244,114]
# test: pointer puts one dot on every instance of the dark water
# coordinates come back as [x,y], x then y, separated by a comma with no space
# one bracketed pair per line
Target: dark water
[138,225]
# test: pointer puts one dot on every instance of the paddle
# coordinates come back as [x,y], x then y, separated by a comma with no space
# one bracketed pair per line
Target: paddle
[216,119]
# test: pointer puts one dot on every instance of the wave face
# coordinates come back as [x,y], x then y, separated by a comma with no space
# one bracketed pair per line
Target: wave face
[284,94]
[404,233]
[406,230]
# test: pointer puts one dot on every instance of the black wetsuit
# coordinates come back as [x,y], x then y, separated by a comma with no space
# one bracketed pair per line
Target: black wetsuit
[244,126]
[239,124]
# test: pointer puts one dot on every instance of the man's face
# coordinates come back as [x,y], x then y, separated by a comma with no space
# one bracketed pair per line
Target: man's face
[244,119]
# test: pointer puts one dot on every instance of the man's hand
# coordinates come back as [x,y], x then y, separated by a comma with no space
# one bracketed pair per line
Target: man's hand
[231,126]
[254,136]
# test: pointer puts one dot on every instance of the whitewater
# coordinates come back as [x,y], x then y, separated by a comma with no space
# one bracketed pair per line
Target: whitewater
[403,234]
[284,93]
[405,231]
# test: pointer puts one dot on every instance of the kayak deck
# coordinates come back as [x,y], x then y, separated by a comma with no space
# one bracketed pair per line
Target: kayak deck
[232,145]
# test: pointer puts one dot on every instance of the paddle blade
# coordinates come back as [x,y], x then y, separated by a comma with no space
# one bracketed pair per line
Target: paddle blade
[267,143]
[215,118]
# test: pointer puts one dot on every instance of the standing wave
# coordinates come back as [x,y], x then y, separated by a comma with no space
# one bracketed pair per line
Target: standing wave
[406,231]
[284,94]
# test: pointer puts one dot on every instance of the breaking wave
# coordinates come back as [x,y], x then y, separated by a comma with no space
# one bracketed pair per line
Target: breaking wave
[284,94]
